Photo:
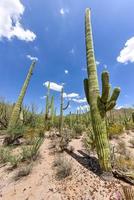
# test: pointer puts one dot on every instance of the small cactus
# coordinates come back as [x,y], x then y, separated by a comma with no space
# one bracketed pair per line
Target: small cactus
[62,108]
[129,192]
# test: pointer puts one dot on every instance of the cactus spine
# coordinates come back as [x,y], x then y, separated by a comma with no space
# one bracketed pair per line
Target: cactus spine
[98,105]
[17,108]
[62,108]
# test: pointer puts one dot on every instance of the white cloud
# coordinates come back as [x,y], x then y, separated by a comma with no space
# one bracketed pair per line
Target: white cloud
[11,12]
[32,58]
[105,66]
[84,69]
[72,51]
[122,106]
[66,71]
[127,53]
[44,97]
[64,11]
[80,100]
[53,86]
[83,108]
[71,95]
[97,62]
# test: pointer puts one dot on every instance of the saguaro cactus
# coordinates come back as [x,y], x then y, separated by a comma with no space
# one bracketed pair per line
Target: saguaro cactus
[133,117]
[99,105]
[17,108]
[62,108]
[47,103]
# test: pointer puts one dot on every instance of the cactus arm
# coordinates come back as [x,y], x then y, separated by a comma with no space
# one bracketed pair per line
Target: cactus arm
[105,86]
[115,94]
[86,89]
[65,107]
[17,108]
[110,105]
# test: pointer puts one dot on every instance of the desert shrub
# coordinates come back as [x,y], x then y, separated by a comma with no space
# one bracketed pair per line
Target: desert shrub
[5,113]
[17,131]
[14,160]
[78,129]
[31,152]
[131,141]
[4,154]
[114,130]
[129,126]
[63,167]
[89,140]
[121,148]
[25,171]
[124,164]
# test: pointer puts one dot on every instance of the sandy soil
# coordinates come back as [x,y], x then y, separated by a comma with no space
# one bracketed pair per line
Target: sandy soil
[41,184]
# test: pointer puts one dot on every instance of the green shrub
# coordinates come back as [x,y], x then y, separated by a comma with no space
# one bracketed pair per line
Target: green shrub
[4,154]
[115,130]
[78,129]
[17,131]
[31,152]
[14,160]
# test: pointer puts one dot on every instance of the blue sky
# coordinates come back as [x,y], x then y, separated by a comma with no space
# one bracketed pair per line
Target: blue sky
[53,32]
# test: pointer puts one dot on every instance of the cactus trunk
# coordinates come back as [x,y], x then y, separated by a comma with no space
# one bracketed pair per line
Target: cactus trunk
[62,108]
[17,108]
[98,105]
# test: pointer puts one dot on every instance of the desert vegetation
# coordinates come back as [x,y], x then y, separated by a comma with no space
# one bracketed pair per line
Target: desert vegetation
[95,144]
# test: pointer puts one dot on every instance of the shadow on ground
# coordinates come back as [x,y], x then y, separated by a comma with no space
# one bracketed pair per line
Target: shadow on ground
[89,162]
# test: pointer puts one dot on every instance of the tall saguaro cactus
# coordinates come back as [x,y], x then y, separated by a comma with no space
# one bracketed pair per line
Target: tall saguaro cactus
[99,105]
[62,108]
[17,108]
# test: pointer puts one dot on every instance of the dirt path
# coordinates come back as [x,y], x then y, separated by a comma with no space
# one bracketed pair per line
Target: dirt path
[38,185]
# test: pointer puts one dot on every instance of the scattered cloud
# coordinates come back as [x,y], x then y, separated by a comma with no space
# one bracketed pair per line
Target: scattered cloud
[72,51]
[84,69]
[123,106]
[66,71]
[11,12]
[80,100]
[127,53]
[32,58]
[97,62]
[83,108]
[64,11]
[44,97]
[105,66]
[53,86]
[71,95]
[46,29]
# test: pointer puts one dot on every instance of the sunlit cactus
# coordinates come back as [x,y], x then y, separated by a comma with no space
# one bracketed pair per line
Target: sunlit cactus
[17,108]
[129,192]
[99,105]
[62,108]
